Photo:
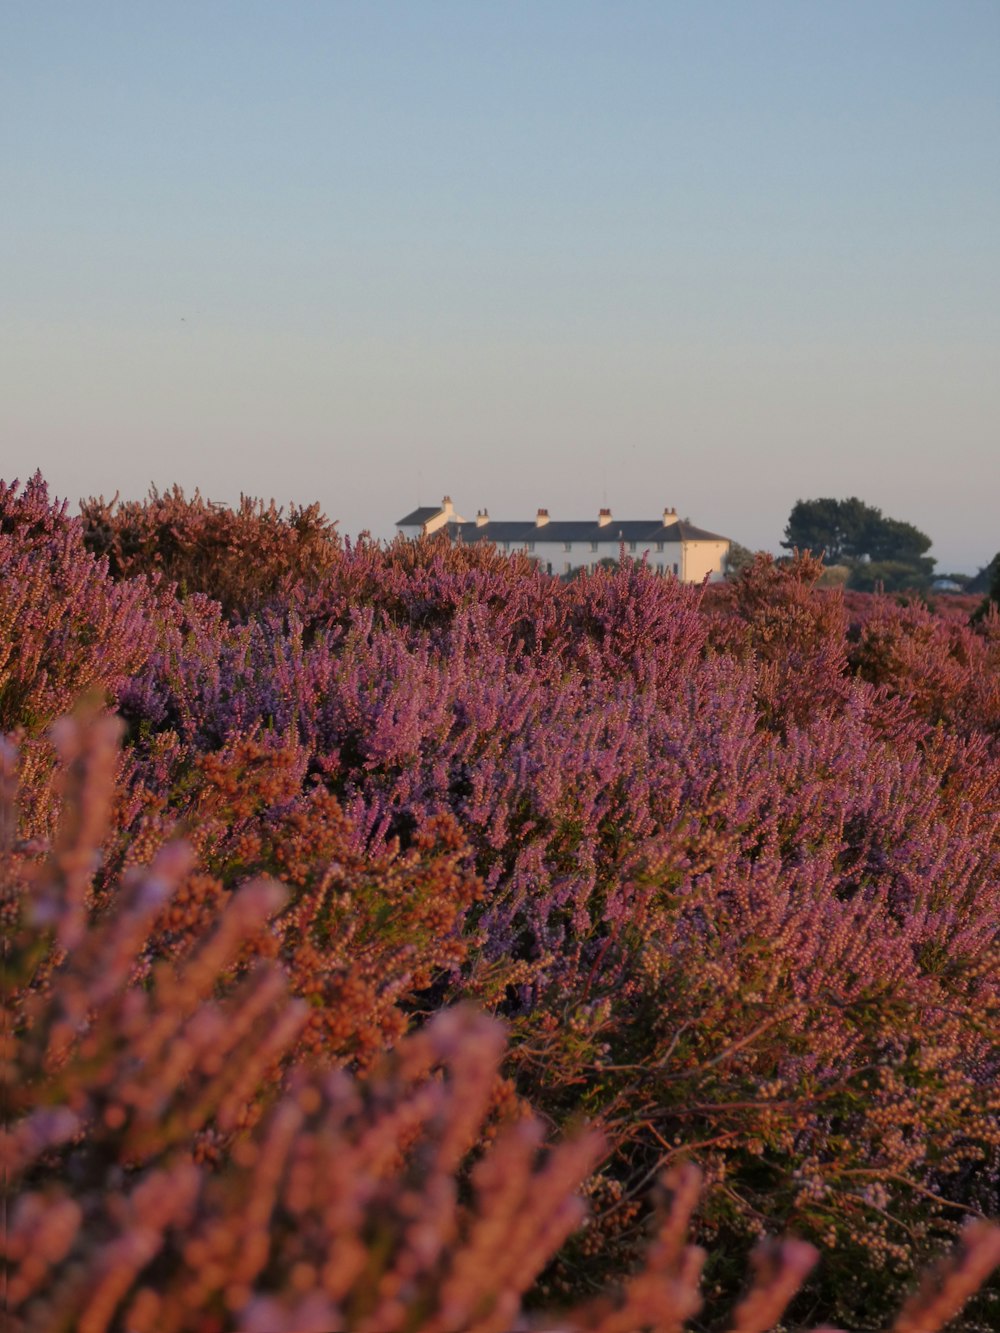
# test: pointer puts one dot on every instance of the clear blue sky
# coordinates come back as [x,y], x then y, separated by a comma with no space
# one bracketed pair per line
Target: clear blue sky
[713,255]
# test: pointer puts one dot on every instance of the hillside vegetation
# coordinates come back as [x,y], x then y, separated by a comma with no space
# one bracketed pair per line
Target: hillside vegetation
[378,914]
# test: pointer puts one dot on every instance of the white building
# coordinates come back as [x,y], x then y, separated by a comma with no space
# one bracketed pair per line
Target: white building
[670,545]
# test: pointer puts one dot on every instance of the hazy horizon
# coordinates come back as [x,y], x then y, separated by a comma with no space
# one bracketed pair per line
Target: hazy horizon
[716,257]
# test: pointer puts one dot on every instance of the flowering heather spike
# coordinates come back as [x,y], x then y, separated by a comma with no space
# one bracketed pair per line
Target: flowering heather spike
[946,1288]
[8,796]
[664,1293]
[88,747]
[780,1268]
[64,628]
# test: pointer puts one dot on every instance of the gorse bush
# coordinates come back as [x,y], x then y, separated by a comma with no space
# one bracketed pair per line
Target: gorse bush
[726,863]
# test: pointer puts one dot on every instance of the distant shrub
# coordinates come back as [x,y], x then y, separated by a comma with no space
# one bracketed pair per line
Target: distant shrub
[945,672]
[239,557]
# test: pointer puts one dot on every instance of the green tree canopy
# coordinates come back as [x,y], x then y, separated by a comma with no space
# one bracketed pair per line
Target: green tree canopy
[737,559]
[852,532]
[987,578]
[891,539]
[992,598]
[817,525]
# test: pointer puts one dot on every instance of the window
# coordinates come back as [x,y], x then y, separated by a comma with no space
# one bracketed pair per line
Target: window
[595,546]
[676,570]
[567,546]
[632,546]
[531,546]
[659,546]
[568,567]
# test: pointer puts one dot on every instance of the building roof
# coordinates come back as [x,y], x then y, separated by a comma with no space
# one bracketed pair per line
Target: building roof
[689,533]
[519,531]
[419,516]
[516,531]
[610,534]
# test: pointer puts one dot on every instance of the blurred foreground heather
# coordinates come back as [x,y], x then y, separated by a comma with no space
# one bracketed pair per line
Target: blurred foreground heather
[726,863]
[168,1170]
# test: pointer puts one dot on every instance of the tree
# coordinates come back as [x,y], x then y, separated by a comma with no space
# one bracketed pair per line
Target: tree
[892,539]
[984,580]
[816,525]
[858,534]
[992,598]
[737,559]
[841,529]
[890,575]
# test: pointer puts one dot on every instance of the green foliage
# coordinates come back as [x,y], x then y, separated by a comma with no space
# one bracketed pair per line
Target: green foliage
[892,539]
[838,528]
[986,577]
[737,559]
[878,550]
[892,575]
[991,602]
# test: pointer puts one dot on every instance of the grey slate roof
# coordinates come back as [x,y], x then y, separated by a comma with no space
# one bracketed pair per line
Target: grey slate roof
[419,516]
[611,534]
[515,533]
[689,533]
[492,532]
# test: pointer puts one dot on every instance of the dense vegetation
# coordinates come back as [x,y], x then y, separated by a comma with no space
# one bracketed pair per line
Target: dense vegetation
[878,551]
[725,862]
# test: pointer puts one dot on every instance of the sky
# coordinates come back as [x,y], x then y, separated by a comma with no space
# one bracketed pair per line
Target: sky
[717,256]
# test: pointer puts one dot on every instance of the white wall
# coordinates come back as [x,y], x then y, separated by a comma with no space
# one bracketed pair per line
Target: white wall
[582,556]
[691,561]
[701,558]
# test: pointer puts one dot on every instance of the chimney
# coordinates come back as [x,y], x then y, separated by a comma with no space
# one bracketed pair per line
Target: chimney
[669,517]
[447,505]
[541,518]
[604,518]
[482,517]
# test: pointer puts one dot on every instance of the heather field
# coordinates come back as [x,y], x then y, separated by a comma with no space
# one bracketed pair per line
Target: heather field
[403,939]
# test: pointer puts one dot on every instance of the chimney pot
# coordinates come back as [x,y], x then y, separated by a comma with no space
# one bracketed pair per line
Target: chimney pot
[604,518]
[541,518]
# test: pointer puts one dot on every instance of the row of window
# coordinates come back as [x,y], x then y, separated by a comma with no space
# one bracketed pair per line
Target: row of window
[655,569]
[568,565]
[594,546]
